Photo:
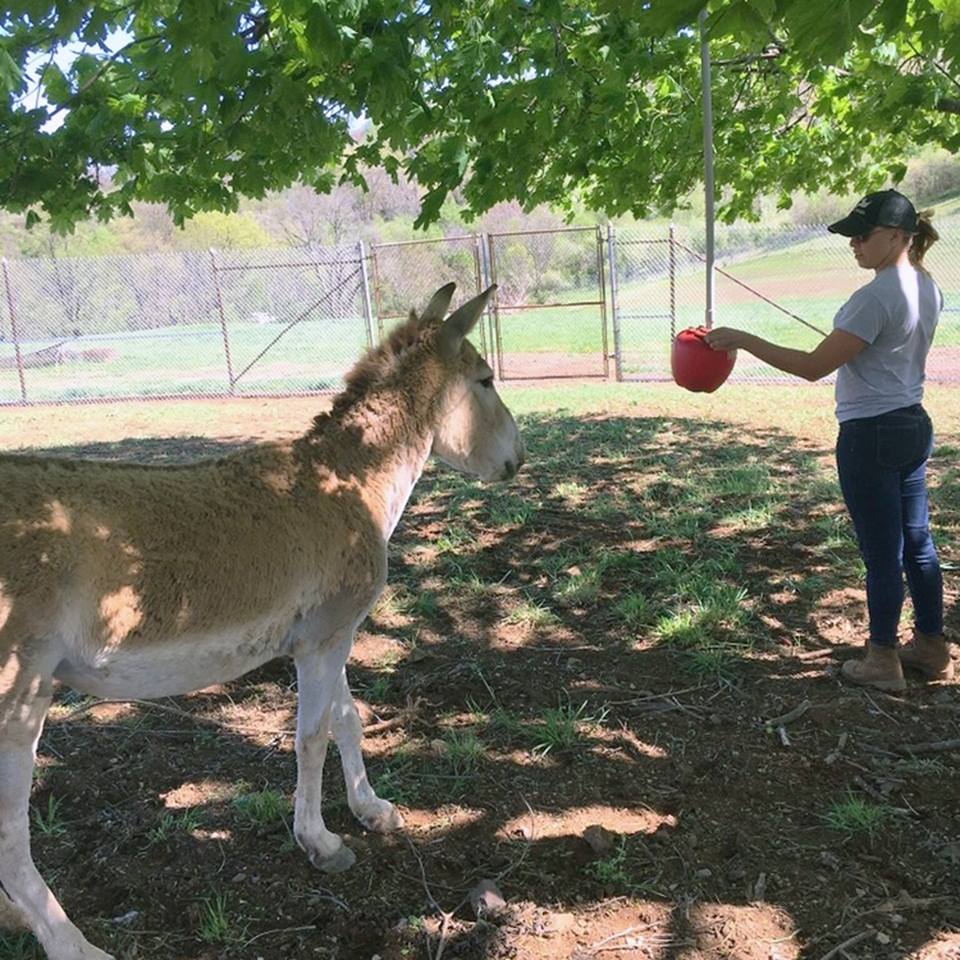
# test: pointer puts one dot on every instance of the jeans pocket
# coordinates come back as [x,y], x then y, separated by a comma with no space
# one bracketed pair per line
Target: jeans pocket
[902,441]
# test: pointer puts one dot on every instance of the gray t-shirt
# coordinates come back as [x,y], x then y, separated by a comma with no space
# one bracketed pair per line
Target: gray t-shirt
[896,314]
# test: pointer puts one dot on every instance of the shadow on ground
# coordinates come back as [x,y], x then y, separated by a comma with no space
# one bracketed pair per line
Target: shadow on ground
[619,639]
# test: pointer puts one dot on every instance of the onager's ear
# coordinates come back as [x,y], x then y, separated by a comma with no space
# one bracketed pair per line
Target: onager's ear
[461,322]
[439,304]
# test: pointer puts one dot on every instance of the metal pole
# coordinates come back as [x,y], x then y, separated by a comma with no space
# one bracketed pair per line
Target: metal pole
[13,331]
[614,304]
[707,164]
[672,240]
[485,282]
[376,289]
[492,278]
[223,320]
[367,307]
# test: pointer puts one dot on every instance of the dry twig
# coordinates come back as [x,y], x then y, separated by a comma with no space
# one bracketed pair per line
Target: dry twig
[853,941]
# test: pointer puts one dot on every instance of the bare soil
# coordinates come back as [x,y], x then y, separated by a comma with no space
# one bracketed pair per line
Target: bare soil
[718,846]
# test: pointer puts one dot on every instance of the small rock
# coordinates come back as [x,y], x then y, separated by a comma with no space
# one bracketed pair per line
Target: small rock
[600,840]
[559,923]
[127,918]
[951,851]
[882,938]
[238,877]
[486,900]
[830,860]
[704,873]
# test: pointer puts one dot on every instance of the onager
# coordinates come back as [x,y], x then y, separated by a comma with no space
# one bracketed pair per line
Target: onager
[131,582]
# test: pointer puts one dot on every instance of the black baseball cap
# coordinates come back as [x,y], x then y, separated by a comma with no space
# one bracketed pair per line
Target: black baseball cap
[886,208]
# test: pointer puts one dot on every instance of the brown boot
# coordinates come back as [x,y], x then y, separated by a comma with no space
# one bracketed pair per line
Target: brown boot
[929,654]
[880,668]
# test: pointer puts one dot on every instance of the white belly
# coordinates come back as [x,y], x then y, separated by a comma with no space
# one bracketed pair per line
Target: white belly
[171,668]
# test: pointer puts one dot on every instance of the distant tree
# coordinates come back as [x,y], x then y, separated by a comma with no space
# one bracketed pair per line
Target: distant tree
[197,104]
[303,217]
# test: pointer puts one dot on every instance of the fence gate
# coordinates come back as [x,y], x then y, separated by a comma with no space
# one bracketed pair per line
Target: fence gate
[542,278]
[407,273]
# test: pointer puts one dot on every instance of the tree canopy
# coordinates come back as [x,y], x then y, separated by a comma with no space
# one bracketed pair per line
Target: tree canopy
[197,105]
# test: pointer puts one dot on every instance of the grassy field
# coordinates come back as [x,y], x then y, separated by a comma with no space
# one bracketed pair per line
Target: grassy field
[583,675]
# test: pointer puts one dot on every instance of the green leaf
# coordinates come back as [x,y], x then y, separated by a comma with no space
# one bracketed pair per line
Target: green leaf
[11,76]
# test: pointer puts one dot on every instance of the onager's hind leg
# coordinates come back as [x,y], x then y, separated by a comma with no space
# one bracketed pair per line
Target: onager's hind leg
[318,679]
[374,813]
[24,698]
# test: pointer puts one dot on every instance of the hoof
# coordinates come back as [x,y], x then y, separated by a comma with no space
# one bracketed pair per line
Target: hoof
[342,860]
[383,817]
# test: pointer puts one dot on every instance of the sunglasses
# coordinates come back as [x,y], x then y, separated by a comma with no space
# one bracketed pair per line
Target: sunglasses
[864,237]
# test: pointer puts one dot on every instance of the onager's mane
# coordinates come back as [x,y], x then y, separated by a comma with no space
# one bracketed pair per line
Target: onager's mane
[382,365]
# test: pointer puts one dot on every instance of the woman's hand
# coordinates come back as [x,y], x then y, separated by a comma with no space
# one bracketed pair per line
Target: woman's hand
[727,339]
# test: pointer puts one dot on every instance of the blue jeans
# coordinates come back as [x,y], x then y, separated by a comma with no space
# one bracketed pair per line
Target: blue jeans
[882,462]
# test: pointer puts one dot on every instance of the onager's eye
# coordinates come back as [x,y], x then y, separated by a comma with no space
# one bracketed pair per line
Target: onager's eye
[487,382]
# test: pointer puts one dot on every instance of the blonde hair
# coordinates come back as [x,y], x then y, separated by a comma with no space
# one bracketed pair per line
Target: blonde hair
[925,237]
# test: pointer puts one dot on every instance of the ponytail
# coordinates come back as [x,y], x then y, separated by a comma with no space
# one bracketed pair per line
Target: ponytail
[925,237]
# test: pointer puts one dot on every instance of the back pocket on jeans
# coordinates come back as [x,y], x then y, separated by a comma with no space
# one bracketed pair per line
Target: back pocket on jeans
[902,441]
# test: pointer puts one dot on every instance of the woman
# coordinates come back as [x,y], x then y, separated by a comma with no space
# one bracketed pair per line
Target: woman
[879,345]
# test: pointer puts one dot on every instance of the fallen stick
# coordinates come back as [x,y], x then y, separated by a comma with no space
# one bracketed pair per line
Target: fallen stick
[814,654]
[795,714]
[932,746]
[853,941]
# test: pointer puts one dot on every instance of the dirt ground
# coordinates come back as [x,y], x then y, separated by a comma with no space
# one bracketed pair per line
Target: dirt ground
[687,818]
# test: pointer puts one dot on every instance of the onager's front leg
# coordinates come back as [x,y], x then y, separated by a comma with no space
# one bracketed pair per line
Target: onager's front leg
[374,813]
[27,899]
[318,679]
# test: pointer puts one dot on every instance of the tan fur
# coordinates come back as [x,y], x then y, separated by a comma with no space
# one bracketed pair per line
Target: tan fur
[144,581]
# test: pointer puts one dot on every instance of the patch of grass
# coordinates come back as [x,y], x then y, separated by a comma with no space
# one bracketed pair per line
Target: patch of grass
[395,602]
[426,605]
[553,564]
[574,493]
[395,784]
[506,723]
[462,750]
[715,663]
[215,923]
[561,728]
[855,817]
[48,820]
[379,689]
[924,766]
[611,870]
[754,517]
[744,482]
[633,608]
[168,824]
[20,946]
[263,808]
[607,506]
[531,613]
[580,588]
[511,511]
[454,539]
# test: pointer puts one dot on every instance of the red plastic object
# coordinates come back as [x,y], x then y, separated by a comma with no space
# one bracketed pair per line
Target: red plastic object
[695,365]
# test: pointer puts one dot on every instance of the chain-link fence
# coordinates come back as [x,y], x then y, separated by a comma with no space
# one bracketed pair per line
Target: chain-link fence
[195,324]
[783,284]
[580,302]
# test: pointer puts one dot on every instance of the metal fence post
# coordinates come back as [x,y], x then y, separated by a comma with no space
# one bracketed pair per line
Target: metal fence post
[496,337]
[367,306]
[673,282]
[13,331]
[223,319]
[483,281]
[614,304]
